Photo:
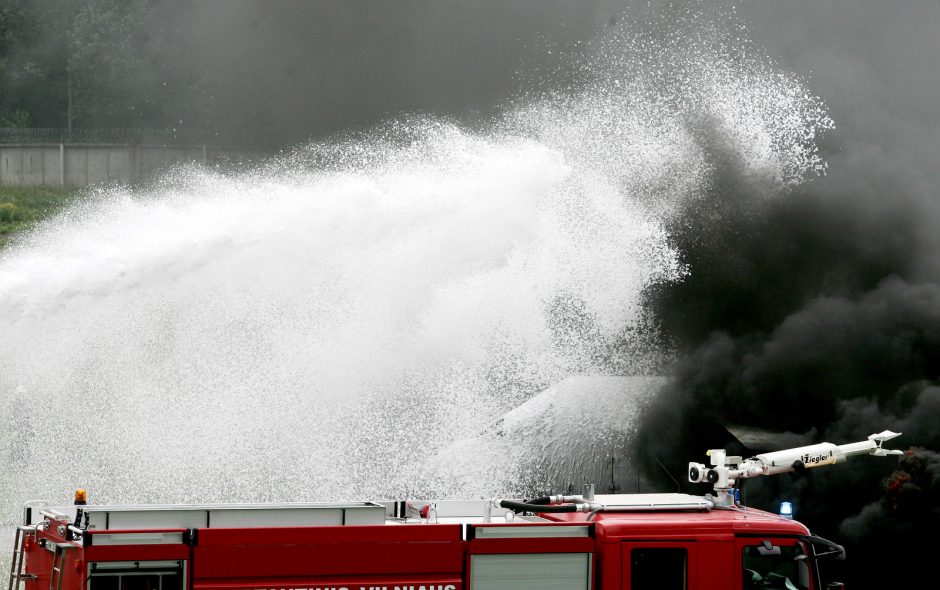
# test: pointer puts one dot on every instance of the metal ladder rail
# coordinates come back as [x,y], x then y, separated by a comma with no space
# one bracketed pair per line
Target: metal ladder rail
[16,566]
[58,561]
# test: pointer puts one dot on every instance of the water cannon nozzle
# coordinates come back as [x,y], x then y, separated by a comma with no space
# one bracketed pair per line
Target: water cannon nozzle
[883,436]
[879,440]
[727,470]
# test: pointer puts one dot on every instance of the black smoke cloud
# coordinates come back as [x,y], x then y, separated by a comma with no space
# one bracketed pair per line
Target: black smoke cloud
[816,313]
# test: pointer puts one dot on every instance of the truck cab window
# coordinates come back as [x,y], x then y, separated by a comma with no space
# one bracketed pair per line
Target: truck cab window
[658,569]
[786,568]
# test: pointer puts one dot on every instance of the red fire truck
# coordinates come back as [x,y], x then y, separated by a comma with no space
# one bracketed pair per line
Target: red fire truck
[582,542]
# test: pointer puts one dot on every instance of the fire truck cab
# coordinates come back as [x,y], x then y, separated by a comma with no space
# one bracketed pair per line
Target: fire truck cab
[638,542]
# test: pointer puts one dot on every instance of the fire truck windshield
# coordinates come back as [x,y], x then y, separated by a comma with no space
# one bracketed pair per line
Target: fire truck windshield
[782,567]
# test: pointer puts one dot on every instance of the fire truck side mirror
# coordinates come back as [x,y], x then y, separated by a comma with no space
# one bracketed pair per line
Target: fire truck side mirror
[825,548]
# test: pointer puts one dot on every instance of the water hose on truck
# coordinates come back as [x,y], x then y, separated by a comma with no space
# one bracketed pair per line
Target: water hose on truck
[519,507]
[546,504]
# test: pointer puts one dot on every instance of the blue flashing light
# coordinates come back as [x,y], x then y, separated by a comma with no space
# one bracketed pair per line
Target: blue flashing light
[786,509]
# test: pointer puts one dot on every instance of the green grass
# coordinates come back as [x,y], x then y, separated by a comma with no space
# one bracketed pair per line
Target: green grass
[23,207]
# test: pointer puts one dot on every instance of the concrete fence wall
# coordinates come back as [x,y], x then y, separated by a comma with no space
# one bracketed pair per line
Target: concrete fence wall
[86,164]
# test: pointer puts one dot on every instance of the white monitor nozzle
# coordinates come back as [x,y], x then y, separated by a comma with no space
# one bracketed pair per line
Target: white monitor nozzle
[726,470]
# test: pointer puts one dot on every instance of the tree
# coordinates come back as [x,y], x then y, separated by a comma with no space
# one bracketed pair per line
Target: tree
[106,63]
[95,63]
[30,64]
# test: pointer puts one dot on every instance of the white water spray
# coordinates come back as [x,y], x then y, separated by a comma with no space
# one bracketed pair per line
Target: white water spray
[303,331]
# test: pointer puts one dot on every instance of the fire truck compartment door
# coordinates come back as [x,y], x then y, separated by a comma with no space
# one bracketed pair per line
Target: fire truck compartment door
[531,571]
[531,557]
[660,565]
[137,575]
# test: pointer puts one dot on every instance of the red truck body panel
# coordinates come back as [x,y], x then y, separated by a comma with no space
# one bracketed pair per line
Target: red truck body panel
[398,556]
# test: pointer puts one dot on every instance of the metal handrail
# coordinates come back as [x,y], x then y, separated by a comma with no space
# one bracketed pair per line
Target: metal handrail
[16,565]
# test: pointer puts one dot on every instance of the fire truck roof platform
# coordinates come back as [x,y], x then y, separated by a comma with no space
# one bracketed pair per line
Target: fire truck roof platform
[636,511]
[151,516]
